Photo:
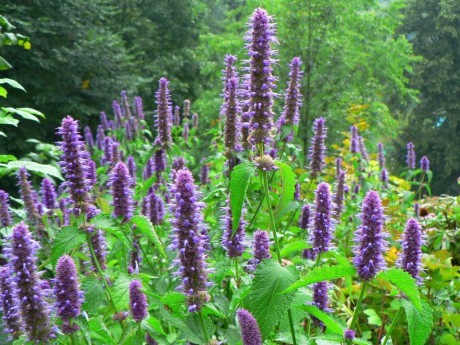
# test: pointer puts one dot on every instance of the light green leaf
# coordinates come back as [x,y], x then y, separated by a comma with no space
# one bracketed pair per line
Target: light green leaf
[3,92]
[68,239]
[12,83]
[372,317]
[112,226]
[24,114]
[420,321]
[33,112]
[100,331]
[294,205]
[129,331]
[120,291]
[239,182]
[404,282]
[4,65]
[287,192]
[153,324]
[294,247]
[94,294]
[175,302]
[145,226]
[328,321]
[319,274]
[43,169]
[267,304]
[7,158]
[8,120]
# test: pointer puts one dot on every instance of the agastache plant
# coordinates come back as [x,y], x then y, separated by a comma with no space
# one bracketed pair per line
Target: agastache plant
[260,37]
[120,182]
[424,164]
[323,223]
[362,149]
[250,332]
[164,113]
[317,148]
[137,301]
[380,156]
[320,300]
[354,148]
[89,138]
[9,303]
[339,195]
[410,157]
[292,101]
[5,215]
[261,249]
[304,219]
[234,245]
[48,193]
[411,244]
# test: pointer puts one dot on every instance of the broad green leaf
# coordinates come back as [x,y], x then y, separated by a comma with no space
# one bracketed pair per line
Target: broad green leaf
[8,120]
[4,65]
[100,331]
[154,324]
[145,226]
[33,112]
[372,317]
[94,294]
[294,247]
[319,274]
[120,291]
[68,239]
[7,158]
[294,205]
[419,322]
[44,169]
[129,331]
[328,321]
[239,182]
[194,325]
[24,114]
[12,83]
[404,282]
[267,304]
[175,302]
[3,92]
[112,226]
[287,192]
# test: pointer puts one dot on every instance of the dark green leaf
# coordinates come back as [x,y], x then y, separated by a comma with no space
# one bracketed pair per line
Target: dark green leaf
[294,247]
[328,321]
[239,182]
[287,192]
[404,282]
[68,239]
[94,294]
[120,291]
[145,226]
[419,321]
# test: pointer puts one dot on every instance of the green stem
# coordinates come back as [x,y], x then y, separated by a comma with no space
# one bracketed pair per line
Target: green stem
[291,325]
[206,338]
[237,274]
[393,324]
[139,330]
[358,305]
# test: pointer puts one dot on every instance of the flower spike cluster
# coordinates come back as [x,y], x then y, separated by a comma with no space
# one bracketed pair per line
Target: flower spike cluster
[317,149]
[48,194]
[5,215]
[164,113]
[261,245]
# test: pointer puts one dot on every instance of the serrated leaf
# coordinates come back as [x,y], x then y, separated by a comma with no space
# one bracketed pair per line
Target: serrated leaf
[419,322]
[129,330]
[239,181]
[404,282]
[175,302]
[12,83]
[319,274]
[68,239]
[36,168]
[112,226]
[153,324]
[145,226]
[100,331]
[328,321]
[120,291]
[267,304]
[287,192]
[93,292]
[294,247]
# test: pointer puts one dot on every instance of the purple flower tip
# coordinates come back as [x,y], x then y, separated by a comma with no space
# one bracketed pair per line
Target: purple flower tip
[121,192]
[250,332]
[410,157]
[317,149]
[411,255]
[425,164]
[261,245]
[323,224]
[137,301]
[349,334]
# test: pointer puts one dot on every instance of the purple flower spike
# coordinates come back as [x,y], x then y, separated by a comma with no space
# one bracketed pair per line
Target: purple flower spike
[153,202]
[67,293]
[164,113]
[132,170]
[354,139]
[369,238]
[260,37]
[30,200]
[323,226]
[115,156]
[261,245]
[362,149]
[137,301]
[234,245]
[349,334]
[384,176]
[100,136]
[125,103]
[9,303]
[410,157]
[139,108]
[425,164]
[189,239]
[159,158]
[120,182]
[411,255]
[185,131]
[99,245]
[149,340]
[176,115]
[195,120]
[5,215]
[338,166]
[149,169]
[292,101]
[204,175]
[381,157]
[317,149]
[34,309]
[417,209]
[48,193]
[304,220]
[338,195]
[118,114]
[89,138]
[104,123]
[230,111]
[320,300]
[91,174]
[250,332]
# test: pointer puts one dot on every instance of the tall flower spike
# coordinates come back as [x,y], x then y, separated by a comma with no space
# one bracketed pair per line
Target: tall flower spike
[176,119]
[250,332]
[235,246]
[362,149]
[189,239]
[139,108]
[292,101]
[10,304]
[120,182]
[149,169]
[425,164]
[125,104]
[195,120]
[164,113]
[230,111]
[100,136]
[381,157]
[30,200]
[384,176]
[261,81]
[115,156]
[67,293]
[317,148]
[99,245]
[338,195]
[74,164]
[185,131]
[118,114]
[370,238]
[245,95]
[5,215]
[89,138]
[132,170]
[91,174]
[354,139]
[338,166]
[304,220]
[104,122]
[153,208]
[323,224]
[320,300]
[48,193]
[34,309]
[204,175]
[137,301]
[297,191]
[411,244]
[261,245]
[410,157]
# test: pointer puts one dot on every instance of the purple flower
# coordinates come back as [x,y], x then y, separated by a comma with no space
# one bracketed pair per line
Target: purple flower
[30,201]
[230,110]
[138,108]
[261,81]
[417,209]
[164,113]
[204,175]
[411,244]
[132,170]
[104,123]
[100,136]
[297,191]
[125,104]
[149,169]
[250,332]
[265,163]
[234,245]
[34,309]
[91,173]
[384,176]
[317,149]
[89,138]
[128,131]
[99,245]
[362,149]
[261,245]
[320,300]
[338,166]
[159,158]
[5,215]
[118,114]
[381,157]
[153,202]
[115,156]
[48,193]
[195,120]
[189,240]
[369,238]
[185,131]
[424,164]
[11,321]
[176,118]
[186,109]
[349,334]
[410,157]
[178,164]
[292,102]
[120,182]
[304,220]
[67,293]
[338,195]
[354,139]
[323,224]
[137,301]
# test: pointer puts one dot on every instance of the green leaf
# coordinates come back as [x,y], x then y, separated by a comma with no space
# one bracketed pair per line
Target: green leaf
[294,205]
[120,291]
[328,321]
[267,304]
[12,83]
[145,226]
[33,112]
[7,158]
[3,92]
[319,274]
[287,192]
[24,114]
[294,247]
[110,225]
[419,322]
[153,324]
[372,317]
[100,331]
[239,182]
[4,65]
[404,282]
[68,239]
[175,302]
[44,169]
[129,330]
[8,120]
[94,294]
